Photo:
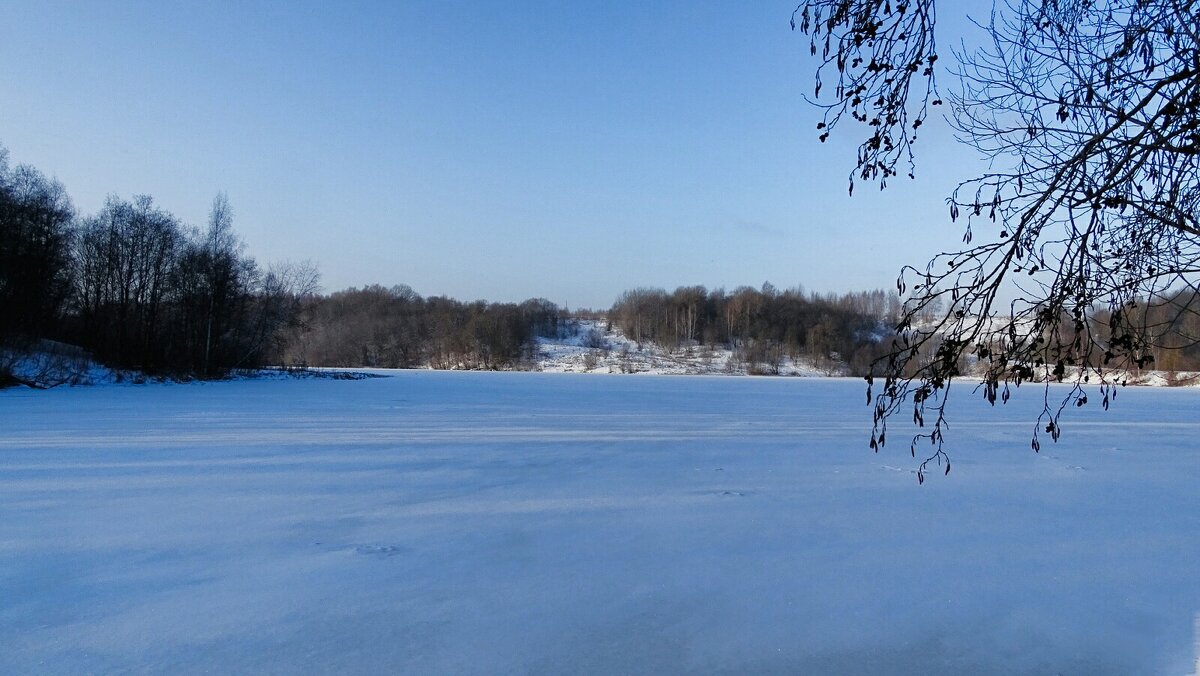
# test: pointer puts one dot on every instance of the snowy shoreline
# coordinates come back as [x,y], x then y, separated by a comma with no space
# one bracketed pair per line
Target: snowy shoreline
[587,346]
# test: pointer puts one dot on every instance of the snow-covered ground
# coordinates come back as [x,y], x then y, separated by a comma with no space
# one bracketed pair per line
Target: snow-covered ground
[52,364]
[595,346]
[525,523]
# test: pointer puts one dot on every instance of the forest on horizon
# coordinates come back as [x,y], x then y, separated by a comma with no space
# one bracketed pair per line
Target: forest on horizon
[135,288]
[132,287]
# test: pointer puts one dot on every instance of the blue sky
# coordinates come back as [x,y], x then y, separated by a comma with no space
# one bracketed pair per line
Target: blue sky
[478,150]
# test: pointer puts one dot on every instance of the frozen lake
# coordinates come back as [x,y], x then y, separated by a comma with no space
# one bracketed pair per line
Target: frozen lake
[493,523]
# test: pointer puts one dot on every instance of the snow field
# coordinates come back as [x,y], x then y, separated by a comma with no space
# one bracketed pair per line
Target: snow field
[525,523]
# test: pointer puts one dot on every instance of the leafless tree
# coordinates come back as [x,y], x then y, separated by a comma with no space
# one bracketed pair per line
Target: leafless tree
[36,219]
[1082,233]
[125,258]
[280,310]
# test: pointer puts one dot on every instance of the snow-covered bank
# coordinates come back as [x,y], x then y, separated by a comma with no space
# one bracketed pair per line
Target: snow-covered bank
[520,523]
[583,346]
[595,346]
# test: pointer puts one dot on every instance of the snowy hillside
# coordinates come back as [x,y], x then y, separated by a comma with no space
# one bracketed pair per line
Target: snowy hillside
[593,346]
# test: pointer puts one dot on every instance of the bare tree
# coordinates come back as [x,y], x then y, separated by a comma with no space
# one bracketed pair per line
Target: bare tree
[125,257]
[280,310]
[1088,114]
[222,274]
[36,219]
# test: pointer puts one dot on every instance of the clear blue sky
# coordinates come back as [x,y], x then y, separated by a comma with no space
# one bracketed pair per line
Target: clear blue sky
[474,149]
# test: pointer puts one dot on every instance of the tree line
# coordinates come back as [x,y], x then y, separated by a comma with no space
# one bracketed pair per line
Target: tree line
[764,326]
[136,287]
[397,328]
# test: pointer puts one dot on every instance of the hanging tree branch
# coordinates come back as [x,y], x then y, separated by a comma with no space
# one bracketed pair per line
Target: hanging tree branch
[1089,116]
